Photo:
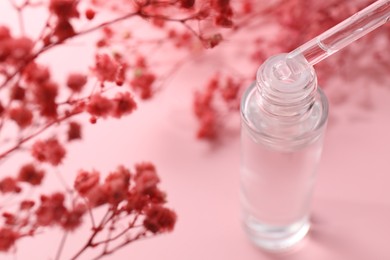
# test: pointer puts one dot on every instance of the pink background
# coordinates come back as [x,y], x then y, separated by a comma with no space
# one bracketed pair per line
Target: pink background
[351,204]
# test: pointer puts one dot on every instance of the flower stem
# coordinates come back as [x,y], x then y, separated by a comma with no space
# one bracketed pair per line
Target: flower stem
[61,246]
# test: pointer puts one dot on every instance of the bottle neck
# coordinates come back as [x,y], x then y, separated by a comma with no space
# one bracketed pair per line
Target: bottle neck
[284,96]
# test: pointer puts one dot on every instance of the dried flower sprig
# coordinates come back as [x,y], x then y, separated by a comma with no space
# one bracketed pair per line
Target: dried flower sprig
[267,28]
[34,103]
[133,205]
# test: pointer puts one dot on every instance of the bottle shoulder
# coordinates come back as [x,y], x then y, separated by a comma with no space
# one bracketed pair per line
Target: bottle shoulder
[263,124]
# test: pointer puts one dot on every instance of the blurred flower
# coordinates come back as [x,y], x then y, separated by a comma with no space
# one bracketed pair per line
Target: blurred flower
[159,219]
[30,174]
[50,151]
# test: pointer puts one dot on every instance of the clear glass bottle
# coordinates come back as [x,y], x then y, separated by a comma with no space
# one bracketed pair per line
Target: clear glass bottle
[283,118]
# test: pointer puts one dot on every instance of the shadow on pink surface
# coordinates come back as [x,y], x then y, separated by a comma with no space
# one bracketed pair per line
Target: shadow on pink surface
[345,230]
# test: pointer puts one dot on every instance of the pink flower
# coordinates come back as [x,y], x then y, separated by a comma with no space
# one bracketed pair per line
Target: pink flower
[159,219]
[51,210]
[224,11]
[76,81]
[208,126]
[146,178]
[64,9]
[63,30]
[21,48]
[86,181]
[10,219]
[35,73]
[73,219]
[100,106]
[8,185]
[187,3]
[123,104]
[106,69]
[21,115]
[116,185]
[142,82]
[230,91]
[5,49]
[97,196]
[18,93]
[26,204]
[213,41]
[45,96]
[136,201]
[74,131]
[8,238]
[4,33]
[50,151]
[28,173]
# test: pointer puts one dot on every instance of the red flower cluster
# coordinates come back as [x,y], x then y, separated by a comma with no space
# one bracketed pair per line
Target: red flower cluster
[21,115]
[122,104]
[116,185]
[43,90]
[106,68]
[76,81]
[99,106]
[187,3]
[30,174]
[121,186]
[159,219]
[74,131]
[52,211]
[45,95]
[212,41]
[129,195]
[7,238]
[225,13]
[50,151]
[9,185]
[117,190]
[63,10]
[143,79]
[14,50]
[207,105]
[36,73]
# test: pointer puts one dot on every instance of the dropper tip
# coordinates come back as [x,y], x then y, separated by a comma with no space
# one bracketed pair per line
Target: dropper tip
[291,67]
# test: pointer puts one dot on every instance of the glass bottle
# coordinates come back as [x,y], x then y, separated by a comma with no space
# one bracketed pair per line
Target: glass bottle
[283,119]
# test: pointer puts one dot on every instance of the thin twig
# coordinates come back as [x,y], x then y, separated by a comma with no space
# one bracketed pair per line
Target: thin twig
[110,229]
[48,47]
[110,239]
[61,246]
[96,231]
[27,138]
[91,215]
[126,242]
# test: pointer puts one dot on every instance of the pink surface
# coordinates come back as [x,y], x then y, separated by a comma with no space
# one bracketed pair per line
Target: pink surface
[351,204]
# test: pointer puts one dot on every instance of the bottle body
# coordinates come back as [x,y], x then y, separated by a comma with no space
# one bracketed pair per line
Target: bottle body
[281,146]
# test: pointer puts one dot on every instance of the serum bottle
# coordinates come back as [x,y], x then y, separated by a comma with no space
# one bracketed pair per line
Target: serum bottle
[283,119]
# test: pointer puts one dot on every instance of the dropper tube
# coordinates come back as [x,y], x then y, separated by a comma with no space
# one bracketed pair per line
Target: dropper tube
[340,35]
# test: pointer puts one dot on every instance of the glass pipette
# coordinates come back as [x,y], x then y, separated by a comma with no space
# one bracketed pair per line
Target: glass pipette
[339,36]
